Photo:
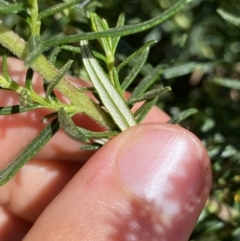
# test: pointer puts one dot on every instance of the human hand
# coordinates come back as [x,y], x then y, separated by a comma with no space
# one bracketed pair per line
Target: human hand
[148,183]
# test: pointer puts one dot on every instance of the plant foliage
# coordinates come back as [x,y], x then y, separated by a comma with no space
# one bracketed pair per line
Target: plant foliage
[100,66]
[128,45]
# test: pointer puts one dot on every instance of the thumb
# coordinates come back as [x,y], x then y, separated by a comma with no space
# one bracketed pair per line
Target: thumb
[149,183]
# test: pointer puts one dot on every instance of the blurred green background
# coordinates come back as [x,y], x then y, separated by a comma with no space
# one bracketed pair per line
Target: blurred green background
[212,49]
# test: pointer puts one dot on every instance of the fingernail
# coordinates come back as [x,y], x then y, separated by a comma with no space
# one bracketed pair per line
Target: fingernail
[165,166]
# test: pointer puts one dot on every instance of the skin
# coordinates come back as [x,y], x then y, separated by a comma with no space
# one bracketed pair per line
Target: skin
[148,183]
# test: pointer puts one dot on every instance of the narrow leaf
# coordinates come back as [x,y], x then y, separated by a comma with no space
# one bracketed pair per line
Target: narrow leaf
[34,147]
[58,77]
[135,54]
[78,50]
[229,17]
[140,61]
[148,95]
[54,54]
[180,70]
[94,134]
[187,68]
[144,109]
[109,96]
[71,48]
[182,116]
[69,127]
[115,40]
[146,69]
[81,134]
[99,25]
[148,80]
[57,8]
[119,31]
[16,109]
[229,83]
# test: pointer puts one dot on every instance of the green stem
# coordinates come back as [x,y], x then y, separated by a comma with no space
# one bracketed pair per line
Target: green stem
[36,97]
[84,104]
[35,23]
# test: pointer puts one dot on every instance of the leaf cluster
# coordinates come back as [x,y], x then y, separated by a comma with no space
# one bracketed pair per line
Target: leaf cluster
[40,54]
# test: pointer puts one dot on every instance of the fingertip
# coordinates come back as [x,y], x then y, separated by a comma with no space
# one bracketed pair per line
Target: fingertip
[166,164]
[149,182]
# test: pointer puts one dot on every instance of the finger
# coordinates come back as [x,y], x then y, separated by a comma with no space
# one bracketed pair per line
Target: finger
[41,179]
[12,228]
[149,183]
[35,185]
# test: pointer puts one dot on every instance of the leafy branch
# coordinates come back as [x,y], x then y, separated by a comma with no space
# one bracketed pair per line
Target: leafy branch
[102,70]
